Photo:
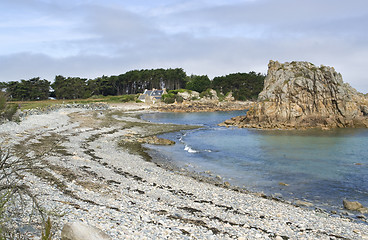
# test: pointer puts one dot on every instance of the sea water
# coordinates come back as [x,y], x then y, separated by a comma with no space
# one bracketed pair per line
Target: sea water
[322,167]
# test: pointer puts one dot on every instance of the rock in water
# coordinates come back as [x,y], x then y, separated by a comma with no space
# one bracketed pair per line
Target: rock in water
[301,95]
[354,206]
[81,231]
[303,203]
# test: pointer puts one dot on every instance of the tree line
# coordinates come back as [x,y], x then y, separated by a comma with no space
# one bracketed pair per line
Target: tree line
[243,85]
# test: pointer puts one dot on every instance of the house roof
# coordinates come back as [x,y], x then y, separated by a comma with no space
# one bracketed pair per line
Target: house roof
[157,93]
[153,93]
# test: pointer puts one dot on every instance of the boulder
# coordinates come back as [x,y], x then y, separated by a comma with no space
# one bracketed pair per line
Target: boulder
[353,206]
[363,210]
[189,95]
[210,95]
[303,203]
[229,97]
[301,95]
[82,231]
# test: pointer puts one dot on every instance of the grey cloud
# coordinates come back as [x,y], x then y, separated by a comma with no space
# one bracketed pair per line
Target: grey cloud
[118,25]
[282,16]
[214,56]
[116,40]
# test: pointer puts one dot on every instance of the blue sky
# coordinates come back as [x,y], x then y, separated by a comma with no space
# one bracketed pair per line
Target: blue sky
[89,38]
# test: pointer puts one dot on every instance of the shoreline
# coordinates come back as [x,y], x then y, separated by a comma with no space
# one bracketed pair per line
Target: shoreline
[128,197]
[203,106]
[217,180]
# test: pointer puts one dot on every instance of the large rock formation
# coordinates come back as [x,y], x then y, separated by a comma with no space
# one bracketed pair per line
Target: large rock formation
[301,95]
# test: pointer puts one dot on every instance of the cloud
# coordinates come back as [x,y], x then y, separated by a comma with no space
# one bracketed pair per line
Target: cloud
[117,25]
[94,37]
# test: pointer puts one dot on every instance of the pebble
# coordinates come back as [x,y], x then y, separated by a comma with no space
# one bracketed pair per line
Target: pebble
[187,209]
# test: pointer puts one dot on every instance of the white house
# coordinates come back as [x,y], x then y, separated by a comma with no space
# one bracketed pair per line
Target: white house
[152,96]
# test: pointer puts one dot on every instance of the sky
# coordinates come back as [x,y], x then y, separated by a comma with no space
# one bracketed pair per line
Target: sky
[91,38]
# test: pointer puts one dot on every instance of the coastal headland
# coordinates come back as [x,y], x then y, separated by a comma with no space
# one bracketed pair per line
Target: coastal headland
[300,95]
[92,168]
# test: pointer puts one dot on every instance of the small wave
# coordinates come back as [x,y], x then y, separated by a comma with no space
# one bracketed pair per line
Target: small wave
[189,149]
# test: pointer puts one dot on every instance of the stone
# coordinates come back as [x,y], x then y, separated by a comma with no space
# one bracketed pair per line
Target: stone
[353,206]
[301,95]
[189,95]
[260,194]
[82,231]
[218,177]
[226,184]
[229,97]
[211,95]
[363,210]
[304,203]
[154,140]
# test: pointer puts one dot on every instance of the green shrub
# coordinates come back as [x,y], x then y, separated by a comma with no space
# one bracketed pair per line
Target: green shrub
[180,91]
[13,197]
[2,101]
[7,111]
[206,93]
[10,112]
[96,97]
[46,233]
[171,97]
[129,98]
[176,91]
[179,99]
[168,98]
[221,96]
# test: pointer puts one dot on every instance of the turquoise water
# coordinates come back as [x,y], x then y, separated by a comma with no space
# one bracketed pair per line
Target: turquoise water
[323,167]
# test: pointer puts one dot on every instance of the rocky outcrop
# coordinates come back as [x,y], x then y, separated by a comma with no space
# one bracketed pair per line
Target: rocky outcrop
[82,231]
[301,95]
[209,95]
[189,95]
[229,97]
[204,106]
[156,141]
[355,206]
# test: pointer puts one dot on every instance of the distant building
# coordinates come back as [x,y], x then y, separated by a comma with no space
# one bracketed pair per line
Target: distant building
[152,96]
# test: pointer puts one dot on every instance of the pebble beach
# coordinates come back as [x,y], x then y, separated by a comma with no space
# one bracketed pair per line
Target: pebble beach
[92,170]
